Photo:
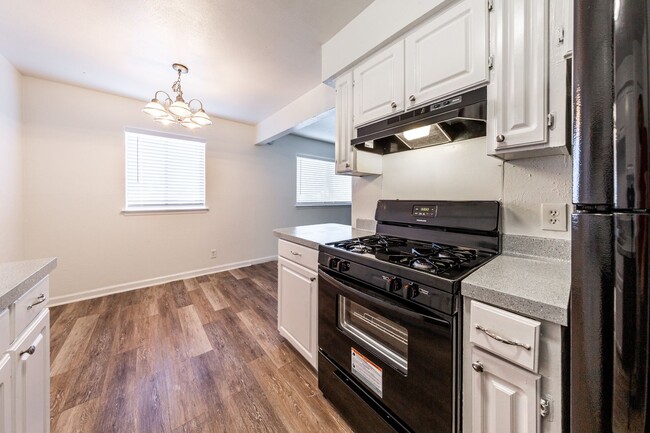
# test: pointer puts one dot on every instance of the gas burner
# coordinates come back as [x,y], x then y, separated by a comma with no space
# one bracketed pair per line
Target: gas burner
[430,258]
[439,251]
[422,264]
[370,244]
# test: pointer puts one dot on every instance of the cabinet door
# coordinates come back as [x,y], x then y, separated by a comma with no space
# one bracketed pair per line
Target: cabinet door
[518,89]
[504,397]
[379,85]
[342,146]
[6,395]
[448,53]
[298,308]
[31,358]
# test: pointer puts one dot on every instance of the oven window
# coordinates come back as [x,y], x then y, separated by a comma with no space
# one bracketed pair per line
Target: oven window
[381,336]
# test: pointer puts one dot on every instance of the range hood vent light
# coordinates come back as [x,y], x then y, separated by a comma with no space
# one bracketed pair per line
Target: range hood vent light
[455,119]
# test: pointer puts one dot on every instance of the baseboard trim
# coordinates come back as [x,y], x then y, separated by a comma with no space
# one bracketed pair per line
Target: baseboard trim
[126,287]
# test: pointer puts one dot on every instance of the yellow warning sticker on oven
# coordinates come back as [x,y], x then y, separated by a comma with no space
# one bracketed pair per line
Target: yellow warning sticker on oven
[368,372]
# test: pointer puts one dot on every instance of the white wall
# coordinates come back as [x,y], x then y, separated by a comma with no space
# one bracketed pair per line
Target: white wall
[527,184]
[74,191]
[463,171]
[454,171]
[11,171]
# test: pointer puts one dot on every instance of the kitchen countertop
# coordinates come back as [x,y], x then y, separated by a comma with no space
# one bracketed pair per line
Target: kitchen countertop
[312,236]
[531,277]
[16,278]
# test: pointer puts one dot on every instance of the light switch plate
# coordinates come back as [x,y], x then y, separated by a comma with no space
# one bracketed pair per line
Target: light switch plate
[554,216]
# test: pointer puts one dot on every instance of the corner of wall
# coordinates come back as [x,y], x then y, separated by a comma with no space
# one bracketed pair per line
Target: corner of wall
[11,164]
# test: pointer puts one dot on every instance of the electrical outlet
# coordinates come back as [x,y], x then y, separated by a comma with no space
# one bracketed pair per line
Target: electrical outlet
[213,254]
[554,216]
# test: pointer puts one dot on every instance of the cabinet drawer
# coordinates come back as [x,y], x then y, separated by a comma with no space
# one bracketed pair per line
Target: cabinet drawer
[506,334]
[25,309]
[300,254]
[5,335]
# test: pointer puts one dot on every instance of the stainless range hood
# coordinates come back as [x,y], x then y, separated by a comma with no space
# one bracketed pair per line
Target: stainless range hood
[458,118]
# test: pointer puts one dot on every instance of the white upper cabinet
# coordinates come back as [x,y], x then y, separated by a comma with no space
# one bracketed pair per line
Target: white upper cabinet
[530,41]
[379,85]
[518,90]
[342,148]
[448,53]
[348,160]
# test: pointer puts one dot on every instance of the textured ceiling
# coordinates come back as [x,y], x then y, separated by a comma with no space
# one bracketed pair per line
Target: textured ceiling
[247,59]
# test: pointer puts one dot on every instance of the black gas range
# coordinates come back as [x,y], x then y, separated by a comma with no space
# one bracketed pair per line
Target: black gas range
[389,308]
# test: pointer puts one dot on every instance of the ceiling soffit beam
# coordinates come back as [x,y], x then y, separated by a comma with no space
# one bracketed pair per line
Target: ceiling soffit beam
[301,112]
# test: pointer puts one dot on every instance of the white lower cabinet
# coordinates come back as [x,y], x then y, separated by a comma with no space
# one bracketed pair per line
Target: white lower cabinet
[512,372]
[30,356]
[298,308]
[6,392]
[504,396]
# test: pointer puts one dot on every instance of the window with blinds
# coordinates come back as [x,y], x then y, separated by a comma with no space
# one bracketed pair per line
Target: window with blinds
[164,172]
[317,183]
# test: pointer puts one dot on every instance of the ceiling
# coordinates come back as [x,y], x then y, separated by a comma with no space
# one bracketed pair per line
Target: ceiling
[324,129]
[247,59]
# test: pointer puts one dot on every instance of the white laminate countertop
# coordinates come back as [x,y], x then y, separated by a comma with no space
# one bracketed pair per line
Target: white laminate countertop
[314,235]
[16,278]
[531,277]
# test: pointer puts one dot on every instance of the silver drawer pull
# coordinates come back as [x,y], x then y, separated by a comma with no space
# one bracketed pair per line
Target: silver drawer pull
[41,299]
[295,253]
[477,366]
[29,351]
[501,339]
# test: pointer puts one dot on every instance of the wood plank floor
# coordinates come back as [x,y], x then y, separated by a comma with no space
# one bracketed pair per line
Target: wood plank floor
[201,355]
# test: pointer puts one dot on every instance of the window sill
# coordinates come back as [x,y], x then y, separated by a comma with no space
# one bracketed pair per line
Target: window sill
[163,211]
[323,204]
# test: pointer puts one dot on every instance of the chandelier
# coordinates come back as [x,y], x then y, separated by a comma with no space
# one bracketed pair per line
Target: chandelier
[170,112]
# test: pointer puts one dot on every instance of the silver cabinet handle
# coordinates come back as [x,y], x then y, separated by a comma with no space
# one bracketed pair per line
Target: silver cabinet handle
[295,253]
[501,138]
[477,366]
[393,105]
[41,299]
[501,339]
[29,351]
[412,98]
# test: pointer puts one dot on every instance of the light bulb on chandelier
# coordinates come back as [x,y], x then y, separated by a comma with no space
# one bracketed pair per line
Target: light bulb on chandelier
[178,112]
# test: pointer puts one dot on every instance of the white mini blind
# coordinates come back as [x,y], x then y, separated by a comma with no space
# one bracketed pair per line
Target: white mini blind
[317,183]
[164,173]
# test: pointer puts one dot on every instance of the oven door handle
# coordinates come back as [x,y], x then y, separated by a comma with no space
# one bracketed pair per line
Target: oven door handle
[376,299]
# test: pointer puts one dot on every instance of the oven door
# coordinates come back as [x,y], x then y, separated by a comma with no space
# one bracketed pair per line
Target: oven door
[380,355]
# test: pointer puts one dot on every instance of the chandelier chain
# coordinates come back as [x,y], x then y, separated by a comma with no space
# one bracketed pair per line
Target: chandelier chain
[176,87]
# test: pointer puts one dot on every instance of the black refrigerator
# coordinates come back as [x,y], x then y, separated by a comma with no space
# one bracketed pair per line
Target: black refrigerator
[609,310]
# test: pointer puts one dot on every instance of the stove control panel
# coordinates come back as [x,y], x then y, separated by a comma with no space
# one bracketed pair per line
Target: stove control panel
[425,211]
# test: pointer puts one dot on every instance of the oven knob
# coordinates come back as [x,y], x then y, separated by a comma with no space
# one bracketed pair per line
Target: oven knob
[395,285]
[343,266]
[410,290]
[332,262]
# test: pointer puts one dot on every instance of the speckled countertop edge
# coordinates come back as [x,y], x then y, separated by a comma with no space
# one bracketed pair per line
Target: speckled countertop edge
[314,235]
[16,278]
[530,246]
[532,277]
